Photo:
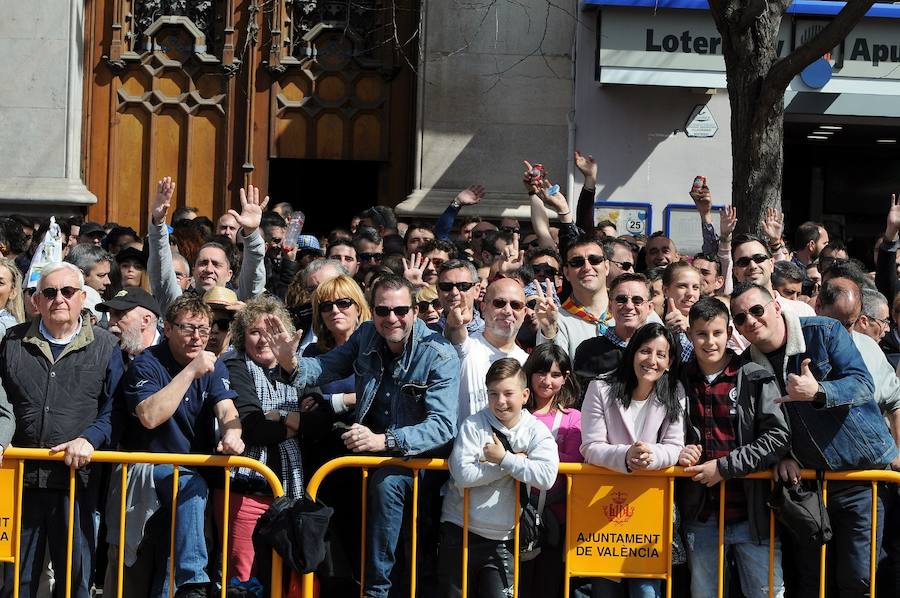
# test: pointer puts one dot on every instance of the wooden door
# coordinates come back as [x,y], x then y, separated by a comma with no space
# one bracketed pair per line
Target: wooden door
[209,93]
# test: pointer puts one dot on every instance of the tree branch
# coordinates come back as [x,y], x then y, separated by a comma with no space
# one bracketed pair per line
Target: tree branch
[787,68]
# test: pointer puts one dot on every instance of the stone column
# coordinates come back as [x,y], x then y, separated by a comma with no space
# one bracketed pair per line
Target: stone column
[42,44]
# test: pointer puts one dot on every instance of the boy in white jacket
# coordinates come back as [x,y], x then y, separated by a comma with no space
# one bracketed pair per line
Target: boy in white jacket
[479,462]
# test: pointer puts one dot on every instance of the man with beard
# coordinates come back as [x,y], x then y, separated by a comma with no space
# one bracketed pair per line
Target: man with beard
[809,241]
[503,310]
[133,317]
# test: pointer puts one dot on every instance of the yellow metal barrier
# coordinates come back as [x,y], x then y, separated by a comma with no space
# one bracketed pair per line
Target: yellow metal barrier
[20,455]
[571,470]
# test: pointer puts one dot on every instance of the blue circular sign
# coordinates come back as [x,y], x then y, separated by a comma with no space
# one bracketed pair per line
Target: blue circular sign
[817,74]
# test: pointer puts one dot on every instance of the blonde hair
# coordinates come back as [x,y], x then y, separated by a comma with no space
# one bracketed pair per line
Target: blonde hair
[14,304]
[428,293]
[340,287]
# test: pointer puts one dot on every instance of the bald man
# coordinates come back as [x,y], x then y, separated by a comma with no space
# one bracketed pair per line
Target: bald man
[840,298]
[503,310]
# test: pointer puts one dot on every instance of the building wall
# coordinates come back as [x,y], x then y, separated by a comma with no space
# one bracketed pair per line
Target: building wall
[496,87]
[636,133]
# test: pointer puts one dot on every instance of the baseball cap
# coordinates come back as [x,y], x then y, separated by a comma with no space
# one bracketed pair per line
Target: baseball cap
[128,298]
[308,243]
[131,253]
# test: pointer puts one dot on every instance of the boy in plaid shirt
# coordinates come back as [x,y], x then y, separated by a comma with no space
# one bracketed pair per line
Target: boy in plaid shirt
[733,422]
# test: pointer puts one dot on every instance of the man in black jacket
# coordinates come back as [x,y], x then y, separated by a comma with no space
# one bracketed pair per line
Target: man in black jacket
[60,373]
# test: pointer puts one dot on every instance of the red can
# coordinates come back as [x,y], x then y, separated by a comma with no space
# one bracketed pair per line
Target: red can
[699,182]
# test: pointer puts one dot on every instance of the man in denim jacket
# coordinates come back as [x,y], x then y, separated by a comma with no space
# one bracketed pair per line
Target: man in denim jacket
[834,420]
[407,385]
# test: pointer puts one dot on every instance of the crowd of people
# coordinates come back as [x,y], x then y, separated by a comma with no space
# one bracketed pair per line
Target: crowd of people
[505,348]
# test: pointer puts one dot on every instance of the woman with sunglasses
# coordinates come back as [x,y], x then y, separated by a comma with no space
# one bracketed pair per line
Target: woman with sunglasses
[632,419]
[270,418]
[430,308]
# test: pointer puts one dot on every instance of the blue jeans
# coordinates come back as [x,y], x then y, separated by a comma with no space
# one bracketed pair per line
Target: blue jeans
[637,588]
[849,509]
[190,514]
[752,559]
[390,489]
[45,523]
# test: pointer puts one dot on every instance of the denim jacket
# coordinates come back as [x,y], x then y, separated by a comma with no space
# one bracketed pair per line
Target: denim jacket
[847,430]
[424,387]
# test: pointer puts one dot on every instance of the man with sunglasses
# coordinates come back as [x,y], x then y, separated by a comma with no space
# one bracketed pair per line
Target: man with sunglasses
[753,263]
[170,390]
[503,310]
[545,262]
[835,422]
[620,257]
[631,307]
[458,286]
[61,374]
[585,313]
[369,249]
[407,386]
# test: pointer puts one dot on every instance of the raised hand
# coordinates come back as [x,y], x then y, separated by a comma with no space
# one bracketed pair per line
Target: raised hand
[675,320]
[251,210]
[511,258]
[531,181]
[470,196]
[702,199]
[556,201]
[165,188]
[414,269]
[690,455]
[587,165]
[458,317]
[545,310]
[893,219]
[282,343]
[773,225]
[802,387]
[727,221]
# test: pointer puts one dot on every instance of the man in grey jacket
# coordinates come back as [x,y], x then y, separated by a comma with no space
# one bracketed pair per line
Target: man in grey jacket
[211,268]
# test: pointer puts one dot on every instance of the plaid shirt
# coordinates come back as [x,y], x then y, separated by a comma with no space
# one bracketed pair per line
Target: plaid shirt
[713,410]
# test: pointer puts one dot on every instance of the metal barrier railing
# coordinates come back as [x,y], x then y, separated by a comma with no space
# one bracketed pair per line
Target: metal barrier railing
[20,455]
[570,471]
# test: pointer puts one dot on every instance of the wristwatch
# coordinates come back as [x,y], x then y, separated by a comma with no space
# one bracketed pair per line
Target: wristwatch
[282,416]
[455,204]
[390,441]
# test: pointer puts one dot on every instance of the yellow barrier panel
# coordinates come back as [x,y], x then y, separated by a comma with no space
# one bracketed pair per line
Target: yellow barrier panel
[12,474]
[606,497]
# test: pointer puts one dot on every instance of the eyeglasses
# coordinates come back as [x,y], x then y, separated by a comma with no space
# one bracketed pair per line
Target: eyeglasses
[67,292]
[436,262]
[342,304]
[544,270]
[462,287]
[383,311]
[501,303]
[373,257]
[191,329]
[885,322]
[624,266]
[531,303]
[424,305]
[756,311]
[222,324]
[578,261]
[509,229]
[636,300]
[757,258]
[180,275]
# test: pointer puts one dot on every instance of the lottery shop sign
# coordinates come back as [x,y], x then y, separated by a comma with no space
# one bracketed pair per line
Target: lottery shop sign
[620,526]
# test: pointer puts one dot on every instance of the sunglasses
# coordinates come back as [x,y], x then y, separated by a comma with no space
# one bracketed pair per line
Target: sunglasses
[578,261]
[531,303]
[515,305]
[624,266]
[342,305]
[509,229]
[477,234]
[222,323]
[533,243]
[374,257]
[424,305]
[745,261]
[544,269]
[383,311]
[756,311]
[636,300]
[67,292]
[462,287]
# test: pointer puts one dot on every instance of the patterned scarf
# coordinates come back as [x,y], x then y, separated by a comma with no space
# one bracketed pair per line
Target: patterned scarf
[272,397]
[603,323]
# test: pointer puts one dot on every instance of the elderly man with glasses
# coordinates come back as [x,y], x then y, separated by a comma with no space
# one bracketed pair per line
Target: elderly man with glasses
[61,374]
[835,422]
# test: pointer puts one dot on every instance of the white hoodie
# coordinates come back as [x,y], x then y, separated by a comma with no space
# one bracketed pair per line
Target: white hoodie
[492,494]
